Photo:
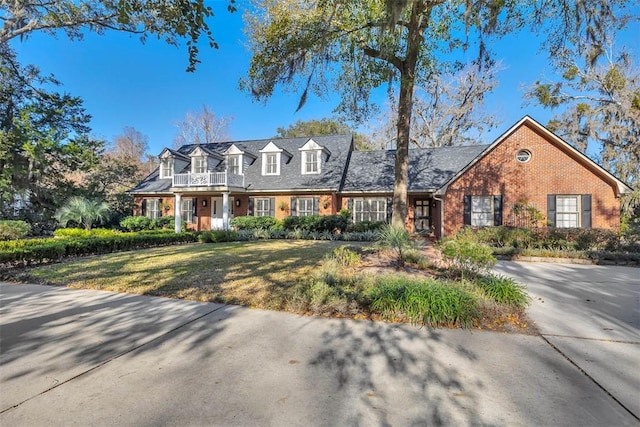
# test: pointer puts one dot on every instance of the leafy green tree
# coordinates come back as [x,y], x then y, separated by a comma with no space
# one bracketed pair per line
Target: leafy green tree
[43,141]
[82,211]
[171,21]
[356,46]
[323,127]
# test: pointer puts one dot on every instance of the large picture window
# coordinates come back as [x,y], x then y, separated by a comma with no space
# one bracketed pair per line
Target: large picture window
[369,209]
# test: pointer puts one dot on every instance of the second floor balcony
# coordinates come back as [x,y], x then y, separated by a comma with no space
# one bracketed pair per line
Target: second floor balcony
[208,179]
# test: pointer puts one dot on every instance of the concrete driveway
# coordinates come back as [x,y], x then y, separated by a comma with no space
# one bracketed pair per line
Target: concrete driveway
[591,314]
[76,357]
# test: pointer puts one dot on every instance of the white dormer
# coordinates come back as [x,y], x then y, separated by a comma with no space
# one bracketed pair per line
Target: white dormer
[199,160]
[166,164]
[272,159]
[312,157]
[235,159]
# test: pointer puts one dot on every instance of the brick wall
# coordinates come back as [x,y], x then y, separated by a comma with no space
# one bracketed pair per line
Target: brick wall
[552,169]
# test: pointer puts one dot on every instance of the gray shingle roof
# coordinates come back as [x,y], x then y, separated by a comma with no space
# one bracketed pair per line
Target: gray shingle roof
[290,178]
[429,168]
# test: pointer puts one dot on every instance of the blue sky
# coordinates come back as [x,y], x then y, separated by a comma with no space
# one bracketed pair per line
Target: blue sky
[126,83]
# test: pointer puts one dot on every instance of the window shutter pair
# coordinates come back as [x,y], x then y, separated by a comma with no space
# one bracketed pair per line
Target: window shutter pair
[497,210]
[585,214]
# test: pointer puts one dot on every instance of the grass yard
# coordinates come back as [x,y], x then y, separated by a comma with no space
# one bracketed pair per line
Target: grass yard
[302,276]
[256,274]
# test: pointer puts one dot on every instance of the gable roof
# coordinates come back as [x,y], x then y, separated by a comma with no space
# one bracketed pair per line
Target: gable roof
[429,168]
[555,139]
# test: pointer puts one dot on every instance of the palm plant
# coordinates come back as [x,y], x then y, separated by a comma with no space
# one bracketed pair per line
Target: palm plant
[83,211]
[397,240]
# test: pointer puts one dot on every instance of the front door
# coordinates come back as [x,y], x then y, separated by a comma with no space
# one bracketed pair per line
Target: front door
[422,217]
[217,222]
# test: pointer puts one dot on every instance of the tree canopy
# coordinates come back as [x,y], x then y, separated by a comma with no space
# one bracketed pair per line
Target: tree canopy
[167,20]
[323,127]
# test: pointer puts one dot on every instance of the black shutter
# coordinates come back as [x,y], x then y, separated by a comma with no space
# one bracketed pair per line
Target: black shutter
[294,208]
[272,206]
[144,207]
[586,211]
[159,207]
[250,207]
[467,210]
[551,210]
[194,206]
[350,204]
[316,205]
[497,210]
[389,209]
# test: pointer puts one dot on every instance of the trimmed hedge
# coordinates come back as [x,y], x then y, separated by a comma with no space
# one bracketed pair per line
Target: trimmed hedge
[82,233]
[255,223]
[316,223]
[140,223]
[37,251]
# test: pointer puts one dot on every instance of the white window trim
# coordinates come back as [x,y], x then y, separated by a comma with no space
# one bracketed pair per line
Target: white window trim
[194,161]
[577,212]
[153,208]
[304,212]
[318,162]
[358,214]
[186,209]
[265,202]
[238,158]
[170,165]
[475,221]
[264,164]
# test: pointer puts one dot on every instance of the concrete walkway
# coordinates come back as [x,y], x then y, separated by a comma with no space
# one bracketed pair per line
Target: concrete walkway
[591,314]
[76,357]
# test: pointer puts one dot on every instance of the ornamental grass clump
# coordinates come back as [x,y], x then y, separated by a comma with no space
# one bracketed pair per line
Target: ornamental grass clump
[395,239]
[427,302]
[504,290]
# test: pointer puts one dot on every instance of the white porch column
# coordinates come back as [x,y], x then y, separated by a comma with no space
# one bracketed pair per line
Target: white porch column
[177,211]
[225,211]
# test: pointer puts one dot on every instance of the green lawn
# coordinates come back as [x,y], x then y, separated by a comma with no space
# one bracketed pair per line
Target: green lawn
[257,274]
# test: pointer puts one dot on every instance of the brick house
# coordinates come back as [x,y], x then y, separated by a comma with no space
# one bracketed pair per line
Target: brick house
[449,187]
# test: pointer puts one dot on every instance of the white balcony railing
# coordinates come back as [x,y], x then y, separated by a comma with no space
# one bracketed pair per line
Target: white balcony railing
[208,179]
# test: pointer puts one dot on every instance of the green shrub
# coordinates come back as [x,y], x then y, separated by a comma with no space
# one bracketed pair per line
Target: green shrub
[82,233]
[345,256]
[428,302]
[217,236]
[504,290]
[397,240]
[467,256]
[136,223]
[255,222]
[13,230]
[364,226]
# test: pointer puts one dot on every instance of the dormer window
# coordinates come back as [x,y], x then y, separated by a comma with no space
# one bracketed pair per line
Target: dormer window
[312,156]
[271,164]
[198,164]
[166,167]
[311,162]
[234,164]
[272,159]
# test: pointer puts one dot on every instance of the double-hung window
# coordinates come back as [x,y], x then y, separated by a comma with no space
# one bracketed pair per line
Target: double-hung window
[234,165]
[153,208]
[305,206]
[263,207]
[186,209]
[199,164]
[311,162]
[166,168]
[482,211]
[568,211]
[369,209]
[271,164]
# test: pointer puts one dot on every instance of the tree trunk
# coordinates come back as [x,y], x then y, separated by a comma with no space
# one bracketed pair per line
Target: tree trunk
[405,104]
